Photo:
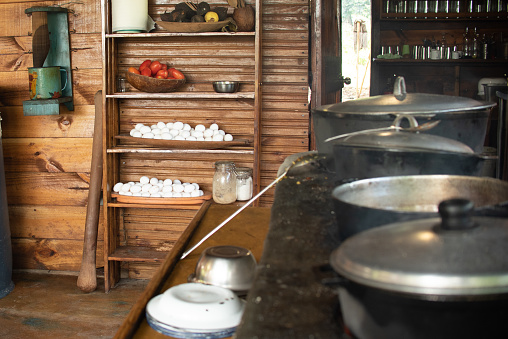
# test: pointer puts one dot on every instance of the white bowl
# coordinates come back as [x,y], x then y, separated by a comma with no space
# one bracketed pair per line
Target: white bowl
[197,307]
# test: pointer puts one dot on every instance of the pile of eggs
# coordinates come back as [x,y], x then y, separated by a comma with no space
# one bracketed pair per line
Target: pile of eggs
[156,188]
[180,131]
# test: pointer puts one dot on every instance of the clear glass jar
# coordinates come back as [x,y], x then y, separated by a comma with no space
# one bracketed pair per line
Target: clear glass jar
[224,182]
[243,183]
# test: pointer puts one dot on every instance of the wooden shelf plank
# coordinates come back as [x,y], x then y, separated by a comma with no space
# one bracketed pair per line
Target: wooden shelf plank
[137,253]
[181,151]
[181,95]
[161,33]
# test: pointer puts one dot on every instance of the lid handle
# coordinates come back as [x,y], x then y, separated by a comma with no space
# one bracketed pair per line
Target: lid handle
[399,88]
[456,214]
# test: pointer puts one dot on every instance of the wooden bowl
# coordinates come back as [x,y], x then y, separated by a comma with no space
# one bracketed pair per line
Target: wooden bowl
[153,85]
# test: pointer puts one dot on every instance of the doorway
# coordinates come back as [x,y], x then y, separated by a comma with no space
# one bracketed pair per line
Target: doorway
[356,41]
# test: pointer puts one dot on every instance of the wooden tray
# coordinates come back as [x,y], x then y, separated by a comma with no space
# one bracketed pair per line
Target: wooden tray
[184,144]
[193,27]
[162,201]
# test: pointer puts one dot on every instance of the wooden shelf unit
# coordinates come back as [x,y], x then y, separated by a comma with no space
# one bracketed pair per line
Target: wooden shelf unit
[203,58]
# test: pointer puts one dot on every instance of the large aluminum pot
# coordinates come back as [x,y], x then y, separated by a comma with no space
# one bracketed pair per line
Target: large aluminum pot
[395,151]
[364,204]
[462,119]
[433,278]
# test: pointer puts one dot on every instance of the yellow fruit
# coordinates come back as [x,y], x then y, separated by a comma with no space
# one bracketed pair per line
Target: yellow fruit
[211,17]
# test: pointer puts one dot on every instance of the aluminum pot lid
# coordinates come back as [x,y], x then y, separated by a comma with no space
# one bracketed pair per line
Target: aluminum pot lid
[454,255]
[402,139]
[402,102]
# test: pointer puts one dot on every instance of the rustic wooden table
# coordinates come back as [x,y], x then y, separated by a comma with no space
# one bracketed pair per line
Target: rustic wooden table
[248,229]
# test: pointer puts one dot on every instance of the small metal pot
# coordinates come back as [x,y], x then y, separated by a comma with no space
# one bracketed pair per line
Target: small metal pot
[364,204]
[396,150]
[433,278]
[462,119]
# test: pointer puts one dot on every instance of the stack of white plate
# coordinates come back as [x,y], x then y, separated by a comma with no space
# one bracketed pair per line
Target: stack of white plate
[195,310]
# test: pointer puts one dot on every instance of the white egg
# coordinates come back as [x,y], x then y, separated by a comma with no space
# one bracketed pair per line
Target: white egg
[208,133]
[145,194]
[156,131]
[228,137]
[137,134]
[144,180]
[153,126]
[164,130]
[132,131]
[155,195]
[126,188]
[216,131]
[185,134]
[218,137]
[131,183]
[222,132]
[201,192]
[166,189]
[135,189]
[161,125]
[157,136]
[178,137]
[189,188]
[177,181]
[145,129]
[148,135]
[208,139]
[136,194]
[154,181]
[194,193]
[178,188]
[186,195]
[167,182]
[166,136]
[174,132]
[191,138]
[200,139]
[200,128]
[138,126]
[178,125]
[214,127]
[196,185]
[170,125]
[160,185]
[186,127]
[167,194]
[154,189]
[177,195]
[117,187]
[146,187]
[198,134]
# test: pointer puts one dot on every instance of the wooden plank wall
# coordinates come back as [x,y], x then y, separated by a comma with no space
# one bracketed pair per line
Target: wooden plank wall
[47,158]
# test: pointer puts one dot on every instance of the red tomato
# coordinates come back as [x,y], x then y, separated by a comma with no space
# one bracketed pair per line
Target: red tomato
[160,77]
[155,67]
[146,71]
[176,73]
[163,73]
[133,70]
[144,65]
[164,66]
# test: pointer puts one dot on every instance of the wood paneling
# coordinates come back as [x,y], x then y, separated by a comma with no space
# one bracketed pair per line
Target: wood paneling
[47,158]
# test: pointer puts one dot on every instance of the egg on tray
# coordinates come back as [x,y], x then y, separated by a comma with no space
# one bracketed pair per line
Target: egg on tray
[157,188]
[180,131]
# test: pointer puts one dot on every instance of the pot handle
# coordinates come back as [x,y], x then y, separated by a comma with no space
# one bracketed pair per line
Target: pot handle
[328,277]
[399,88]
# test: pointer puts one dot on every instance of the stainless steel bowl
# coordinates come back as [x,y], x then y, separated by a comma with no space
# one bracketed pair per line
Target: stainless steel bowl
[231,267]
[226,86]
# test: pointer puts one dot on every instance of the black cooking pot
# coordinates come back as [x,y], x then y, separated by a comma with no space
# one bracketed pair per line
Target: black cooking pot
[364,204]
[396,150]
[462,119]
[430,278]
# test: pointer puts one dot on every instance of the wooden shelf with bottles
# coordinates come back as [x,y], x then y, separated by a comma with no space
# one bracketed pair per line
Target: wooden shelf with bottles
[460,75]
[203,57]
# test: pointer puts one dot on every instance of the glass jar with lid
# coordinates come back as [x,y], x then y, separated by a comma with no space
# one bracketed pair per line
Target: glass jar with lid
[224,182]
[243,183]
